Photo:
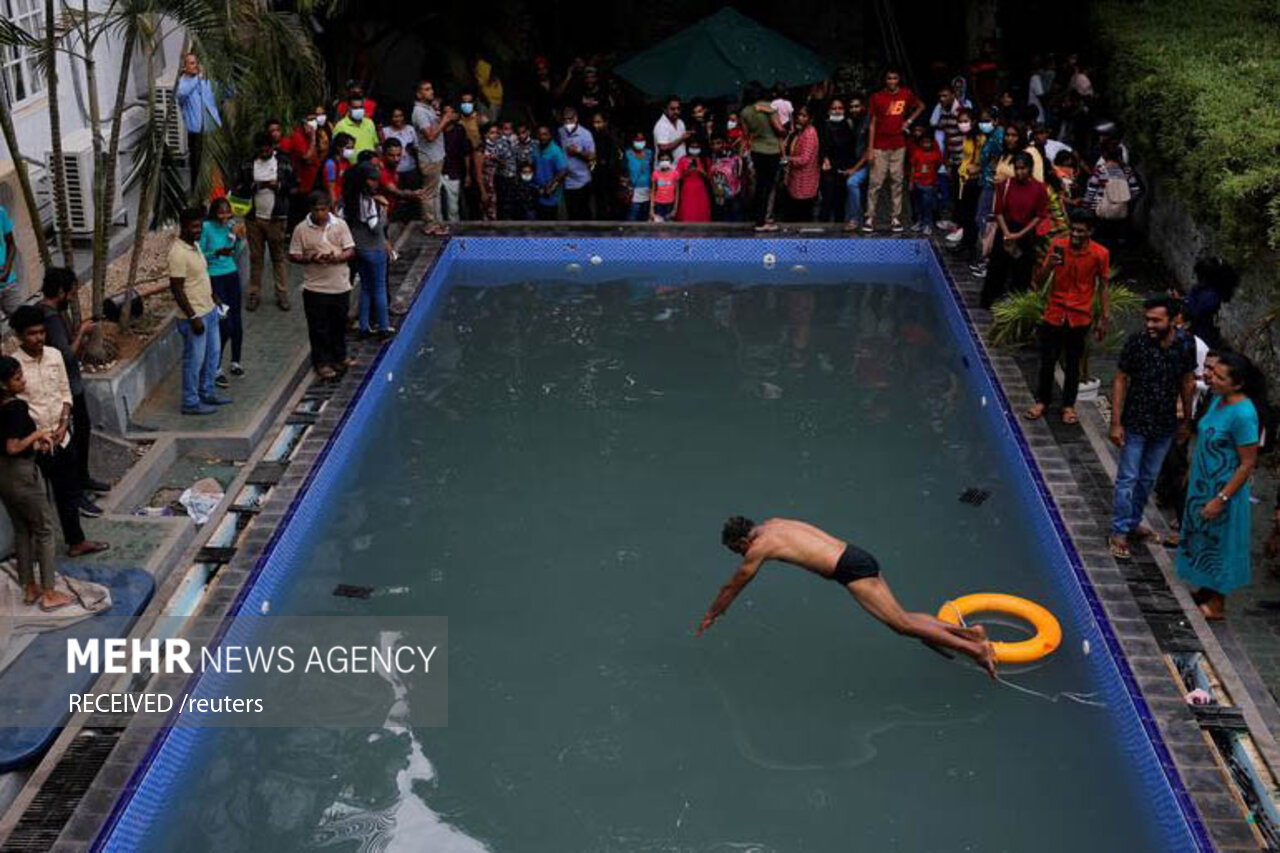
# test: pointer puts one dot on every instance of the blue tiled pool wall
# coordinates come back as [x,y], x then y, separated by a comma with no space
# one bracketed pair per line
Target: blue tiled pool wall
[772,261]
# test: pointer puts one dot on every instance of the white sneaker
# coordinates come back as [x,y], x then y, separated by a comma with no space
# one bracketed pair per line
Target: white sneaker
[946,225]
[956,236]
[917,227]
[927,231]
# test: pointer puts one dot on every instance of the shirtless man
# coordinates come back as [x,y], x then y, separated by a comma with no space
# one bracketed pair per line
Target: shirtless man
[809,548]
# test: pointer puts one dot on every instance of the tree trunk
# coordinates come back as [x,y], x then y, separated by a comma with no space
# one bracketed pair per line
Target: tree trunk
[24,179]
[145,194]
[61,212]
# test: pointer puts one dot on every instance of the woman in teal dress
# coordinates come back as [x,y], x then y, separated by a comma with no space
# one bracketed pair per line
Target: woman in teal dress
[1214,553]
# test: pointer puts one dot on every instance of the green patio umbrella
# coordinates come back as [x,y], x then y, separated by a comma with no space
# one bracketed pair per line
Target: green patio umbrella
[716,56]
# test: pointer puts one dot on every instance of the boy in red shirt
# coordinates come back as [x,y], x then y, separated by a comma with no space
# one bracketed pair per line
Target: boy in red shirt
[924,159]
[893,109]
[1080,268]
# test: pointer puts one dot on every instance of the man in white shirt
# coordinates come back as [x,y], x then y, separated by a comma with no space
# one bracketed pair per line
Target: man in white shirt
[669,133]
[48,397]
[323,244]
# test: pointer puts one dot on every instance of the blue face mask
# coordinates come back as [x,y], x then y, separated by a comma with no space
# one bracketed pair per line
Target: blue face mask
[986,126]
[468,109]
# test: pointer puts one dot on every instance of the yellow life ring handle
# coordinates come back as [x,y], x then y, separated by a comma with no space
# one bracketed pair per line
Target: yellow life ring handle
[1048,634]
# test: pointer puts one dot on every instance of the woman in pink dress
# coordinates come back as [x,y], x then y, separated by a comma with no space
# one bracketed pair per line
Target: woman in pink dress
[803,172]
[693,173]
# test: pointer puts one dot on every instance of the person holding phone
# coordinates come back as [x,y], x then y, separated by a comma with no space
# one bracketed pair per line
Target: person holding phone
[1079,269]
[221,238]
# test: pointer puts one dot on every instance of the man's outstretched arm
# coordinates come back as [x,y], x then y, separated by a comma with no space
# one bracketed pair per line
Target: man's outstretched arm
[729,592]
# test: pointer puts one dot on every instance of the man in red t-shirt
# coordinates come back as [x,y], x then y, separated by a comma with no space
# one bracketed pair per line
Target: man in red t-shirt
[1080,268]
[893,109]
[301,148]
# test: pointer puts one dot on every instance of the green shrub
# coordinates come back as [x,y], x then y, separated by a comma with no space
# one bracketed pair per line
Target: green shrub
[1195,83]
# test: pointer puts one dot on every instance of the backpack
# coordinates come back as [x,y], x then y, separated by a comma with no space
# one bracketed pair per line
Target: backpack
[1114,203]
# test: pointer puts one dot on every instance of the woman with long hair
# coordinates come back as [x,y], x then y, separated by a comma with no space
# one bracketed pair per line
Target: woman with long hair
[1214,552]
[342,156]
[24,492]
[365,212]
[220,239]
[803,173]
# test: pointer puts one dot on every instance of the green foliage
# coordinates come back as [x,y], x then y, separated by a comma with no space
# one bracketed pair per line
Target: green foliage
[1015,317]
[1195,85]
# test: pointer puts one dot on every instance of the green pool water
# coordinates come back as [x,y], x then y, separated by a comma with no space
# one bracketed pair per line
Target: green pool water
[552,473]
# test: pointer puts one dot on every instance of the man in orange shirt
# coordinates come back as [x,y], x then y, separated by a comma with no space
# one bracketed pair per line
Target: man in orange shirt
[1079,267]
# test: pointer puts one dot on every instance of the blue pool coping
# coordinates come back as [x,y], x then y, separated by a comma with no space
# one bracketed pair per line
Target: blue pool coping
[589,260]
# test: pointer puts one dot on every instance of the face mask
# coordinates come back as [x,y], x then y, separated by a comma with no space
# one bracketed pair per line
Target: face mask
[638,145]
[732,124]
[664,165]
[357,114]
[321,118]
[836,117]
[311,123]
[986,126]
[468,109]
[570,126]
[965,126]
[526,176]
[694,151]
[349,154]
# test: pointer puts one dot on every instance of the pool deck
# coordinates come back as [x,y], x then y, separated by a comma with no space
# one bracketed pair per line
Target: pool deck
[70,794]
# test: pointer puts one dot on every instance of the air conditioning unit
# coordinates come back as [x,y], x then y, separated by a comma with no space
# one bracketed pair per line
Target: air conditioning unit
[175,137]
[77,159]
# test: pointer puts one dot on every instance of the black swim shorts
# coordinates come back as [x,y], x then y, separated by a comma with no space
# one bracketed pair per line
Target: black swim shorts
[854,565]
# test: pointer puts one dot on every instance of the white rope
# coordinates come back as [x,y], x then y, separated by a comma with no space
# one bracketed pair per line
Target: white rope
[1079,698]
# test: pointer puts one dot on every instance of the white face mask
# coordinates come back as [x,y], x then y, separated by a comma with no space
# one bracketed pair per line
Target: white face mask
[349,154]
[639,146]
[357,114]
[311,123]
[526,176]
[570,126]
[731,124]
[321,118]
[986,126]
[664,165]
[836,117]
[694,151]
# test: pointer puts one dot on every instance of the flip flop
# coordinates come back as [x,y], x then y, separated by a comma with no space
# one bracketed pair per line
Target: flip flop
[50,608]
[1119,550]
[1032,415]
[1069,416]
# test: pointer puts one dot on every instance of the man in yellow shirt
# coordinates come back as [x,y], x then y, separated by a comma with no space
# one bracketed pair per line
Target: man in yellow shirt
[198,317]
[362,128]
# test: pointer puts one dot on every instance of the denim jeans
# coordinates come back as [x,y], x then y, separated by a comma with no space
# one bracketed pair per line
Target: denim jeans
[1140,461]
[922,204]
[373,290]
[638,211]
[856,185]
[200,356]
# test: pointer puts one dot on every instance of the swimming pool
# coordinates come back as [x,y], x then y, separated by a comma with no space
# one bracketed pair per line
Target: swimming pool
[545,456]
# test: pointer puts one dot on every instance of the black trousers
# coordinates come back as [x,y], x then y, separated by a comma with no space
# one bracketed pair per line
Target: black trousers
[835,189]
[195,150]
[604,189]
[766,166]
[59,468]
[790,209]
[326,326]
[578,203]
[1060,341]
[81,428]
[1007,274]
[967,219]
[547,213]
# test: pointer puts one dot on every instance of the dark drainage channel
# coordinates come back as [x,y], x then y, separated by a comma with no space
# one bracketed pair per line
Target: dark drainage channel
[58,797]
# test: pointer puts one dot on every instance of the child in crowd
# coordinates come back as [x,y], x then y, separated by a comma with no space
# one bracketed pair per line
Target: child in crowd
[924,159]
[726,180]
[735,134]
[525,201]
[639,169]
[664,190]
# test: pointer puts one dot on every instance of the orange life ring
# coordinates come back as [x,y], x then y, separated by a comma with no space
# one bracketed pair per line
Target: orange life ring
[1048,634]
